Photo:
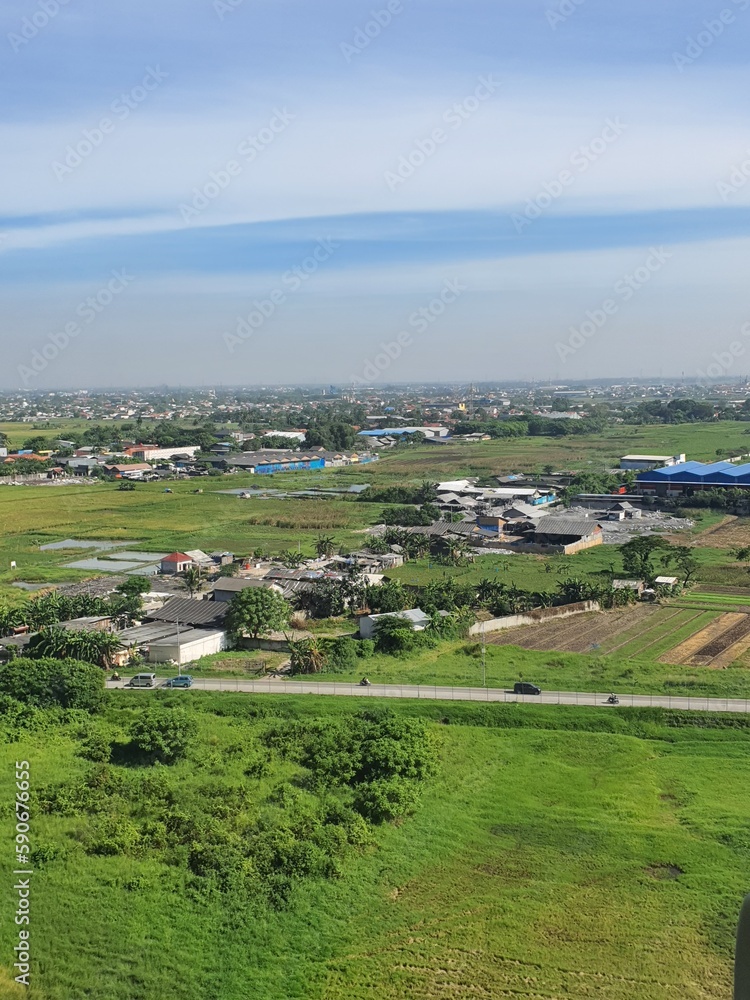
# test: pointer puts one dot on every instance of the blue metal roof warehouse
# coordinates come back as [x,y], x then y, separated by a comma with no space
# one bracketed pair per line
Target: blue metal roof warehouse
[694,476]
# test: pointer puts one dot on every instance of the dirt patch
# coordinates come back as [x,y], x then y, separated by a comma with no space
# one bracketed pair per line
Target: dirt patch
[732,532]
[664,872]
[734,635]
[690,647]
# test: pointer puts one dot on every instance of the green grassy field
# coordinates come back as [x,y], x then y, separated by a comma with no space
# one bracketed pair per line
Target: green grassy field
[556,853]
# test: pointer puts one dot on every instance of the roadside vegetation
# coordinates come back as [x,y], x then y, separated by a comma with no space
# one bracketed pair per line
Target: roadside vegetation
[311,848]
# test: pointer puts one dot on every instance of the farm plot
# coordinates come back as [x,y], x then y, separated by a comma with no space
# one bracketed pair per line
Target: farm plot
[732,532]
[717,599]
[665,629]
[692,636]
[580,634]
[717,645]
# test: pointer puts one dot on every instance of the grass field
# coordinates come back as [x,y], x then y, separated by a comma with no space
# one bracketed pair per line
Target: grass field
[557,853]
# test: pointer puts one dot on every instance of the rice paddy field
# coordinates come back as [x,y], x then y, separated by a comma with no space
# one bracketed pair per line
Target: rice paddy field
[556,853]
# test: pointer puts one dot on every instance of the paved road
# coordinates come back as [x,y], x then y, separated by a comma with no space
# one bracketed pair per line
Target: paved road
[464,694]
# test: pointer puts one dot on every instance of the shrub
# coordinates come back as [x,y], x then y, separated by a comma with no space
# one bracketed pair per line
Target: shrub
[163,734]
[46,682]
[365,648]
[96,746]
[342,655]
[385,800]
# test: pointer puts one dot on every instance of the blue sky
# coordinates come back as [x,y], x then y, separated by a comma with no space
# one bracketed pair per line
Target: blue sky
[534,151]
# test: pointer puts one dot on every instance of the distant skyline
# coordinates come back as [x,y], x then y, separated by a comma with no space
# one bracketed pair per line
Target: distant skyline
[264,191]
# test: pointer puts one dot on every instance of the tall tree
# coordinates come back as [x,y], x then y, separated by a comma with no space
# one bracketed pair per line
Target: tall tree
[256,612]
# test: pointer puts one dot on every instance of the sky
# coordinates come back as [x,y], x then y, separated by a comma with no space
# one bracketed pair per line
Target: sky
[245,192]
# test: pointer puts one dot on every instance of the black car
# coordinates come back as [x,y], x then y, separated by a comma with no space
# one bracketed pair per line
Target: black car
[523,687]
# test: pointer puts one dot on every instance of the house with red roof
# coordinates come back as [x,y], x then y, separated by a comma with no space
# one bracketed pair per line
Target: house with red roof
[176,563]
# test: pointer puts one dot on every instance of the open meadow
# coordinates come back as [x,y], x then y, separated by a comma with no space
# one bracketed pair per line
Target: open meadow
[553,853]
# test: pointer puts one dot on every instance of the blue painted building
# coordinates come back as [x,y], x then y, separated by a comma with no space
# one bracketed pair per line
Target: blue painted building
[693,477]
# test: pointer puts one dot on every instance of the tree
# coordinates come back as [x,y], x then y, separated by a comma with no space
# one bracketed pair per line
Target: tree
[91,646]
[325,599]
[163,734]
[416,546]
[290,558]
[47,682]
[192,579]
[638,553]
[741,554]
[389,596]
[684,559]
[324,546]
[134,586]
[395,634]
[257,611]
[307,656]
[126,486]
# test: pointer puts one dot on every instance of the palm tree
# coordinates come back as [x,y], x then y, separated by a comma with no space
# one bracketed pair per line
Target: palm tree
[417,545]
[325,546]
[307,656]
[192,579]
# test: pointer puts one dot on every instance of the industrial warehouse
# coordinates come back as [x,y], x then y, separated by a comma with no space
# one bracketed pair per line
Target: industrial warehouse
[693,477]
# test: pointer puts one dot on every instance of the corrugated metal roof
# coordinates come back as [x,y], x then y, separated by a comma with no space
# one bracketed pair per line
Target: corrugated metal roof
[567,526]
[189,612]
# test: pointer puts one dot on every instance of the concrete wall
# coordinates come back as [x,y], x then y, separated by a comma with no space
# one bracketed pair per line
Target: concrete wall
[534,617]
[187,652]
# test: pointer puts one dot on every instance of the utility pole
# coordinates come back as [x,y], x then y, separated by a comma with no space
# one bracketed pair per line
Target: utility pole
[484,657]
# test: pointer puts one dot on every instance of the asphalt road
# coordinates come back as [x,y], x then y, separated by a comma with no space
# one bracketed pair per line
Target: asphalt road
[433,693]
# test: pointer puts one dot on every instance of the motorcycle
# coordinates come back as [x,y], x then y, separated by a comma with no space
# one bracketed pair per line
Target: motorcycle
[364,683]
[613,700]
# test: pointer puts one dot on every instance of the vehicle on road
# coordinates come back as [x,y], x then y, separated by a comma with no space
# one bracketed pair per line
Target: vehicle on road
[523,687]
[183,681]
[613,700]
[142,681]
[365,683]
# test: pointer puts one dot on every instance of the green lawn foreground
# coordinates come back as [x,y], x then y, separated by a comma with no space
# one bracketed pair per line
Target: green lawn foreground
[558,852]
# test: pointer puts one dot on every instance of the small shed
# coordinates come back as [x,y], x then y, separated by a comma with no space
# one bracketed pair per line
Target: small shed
[368,623]
[636,585]
[190,645]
